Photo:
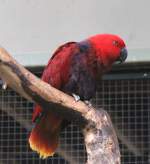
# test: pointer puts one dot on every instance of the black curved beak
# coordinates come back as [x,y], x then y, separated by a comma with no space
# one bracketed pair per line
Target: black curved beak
[123,55]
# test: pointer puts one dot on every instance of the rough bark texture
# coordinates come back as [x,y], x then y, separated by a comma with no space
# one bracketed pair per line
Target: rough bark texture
[100,138]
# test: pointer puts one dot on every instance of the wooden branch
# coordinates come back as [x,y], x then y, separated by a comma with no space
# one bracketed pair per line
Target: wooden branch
[100,138]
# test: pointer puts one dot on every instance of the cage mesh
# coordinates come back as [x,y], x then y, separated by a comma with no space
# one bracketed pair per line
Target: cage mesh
[127,101]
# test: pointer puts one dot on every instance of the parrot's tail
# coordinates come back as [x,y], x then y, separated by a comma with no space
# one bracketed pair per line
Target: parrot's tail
[44,136]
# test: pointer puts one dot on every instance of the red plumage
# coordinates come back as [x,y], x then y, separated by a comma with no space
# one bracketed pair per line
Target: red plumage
[75,68]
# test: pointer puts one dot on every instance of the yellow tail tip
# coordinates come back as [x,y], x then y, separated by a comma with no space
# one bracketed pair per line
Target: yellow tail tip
[44,136]
[44,152]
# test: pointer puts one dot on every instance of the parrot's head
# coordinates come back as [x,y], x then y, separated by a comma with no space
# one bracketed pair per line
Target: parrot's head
[109,48]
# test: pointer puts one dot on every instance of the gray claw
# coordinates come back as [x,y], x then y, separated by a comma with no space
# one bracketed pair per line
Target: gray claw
[76,97]
[4,86]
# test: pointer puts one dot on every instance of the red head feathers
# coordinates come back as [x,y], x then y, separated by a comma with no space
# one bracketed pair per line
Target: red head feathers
[109,48]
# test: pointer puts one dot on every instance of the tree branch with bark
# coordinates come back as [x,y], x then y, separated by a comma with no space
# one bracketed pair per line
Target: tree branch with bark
[99,135]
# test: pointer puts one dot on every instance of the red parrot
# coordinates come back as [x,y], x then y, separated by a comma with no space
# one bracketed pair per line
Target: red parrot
[74,68]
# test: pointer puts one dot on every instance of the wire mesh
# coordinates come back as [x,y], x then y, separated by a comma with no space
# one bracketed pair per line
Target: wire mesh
[127,101]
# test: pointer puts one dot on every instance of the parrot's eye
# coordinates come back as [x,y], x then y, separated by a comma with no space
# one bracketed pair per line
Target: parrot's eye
[115,43]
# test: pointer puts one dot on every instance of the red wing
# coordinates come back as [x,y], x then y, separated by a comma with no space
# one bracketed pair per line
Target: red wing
[60,48]
[56,72]
[59,65]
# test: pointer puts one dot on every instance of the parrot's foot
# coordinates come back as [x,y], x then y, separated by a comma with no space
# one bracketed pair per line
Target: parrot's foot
[88,103]
[4,86]
[76,97]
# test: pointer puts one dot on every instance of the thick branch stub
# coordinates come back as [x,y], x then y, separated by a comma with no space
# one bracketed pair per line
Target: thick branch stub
[100,139]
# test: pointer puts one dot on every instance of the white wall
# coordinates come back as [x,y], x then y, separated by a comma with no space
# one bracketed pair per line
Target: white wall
[37,26]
